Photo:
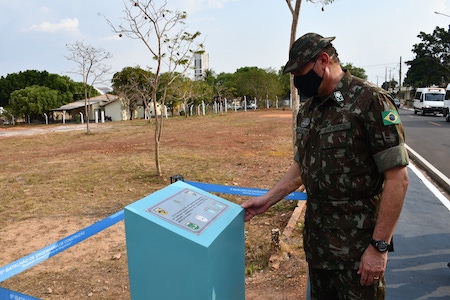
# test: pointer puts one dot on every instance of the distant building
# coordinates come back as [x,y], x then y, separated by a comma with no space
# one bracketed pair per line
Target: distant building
[104,89]
[111,107]
[72,110]
[201,64]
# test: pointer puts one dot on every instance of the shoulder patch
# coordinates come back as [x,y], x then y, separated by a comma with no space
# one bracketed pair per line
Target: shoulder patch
[390,117]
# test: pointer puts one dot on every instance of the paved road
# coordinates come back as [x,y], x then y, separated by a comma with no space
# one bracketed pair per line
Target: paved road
[429,137]
[417,269]
[427,143]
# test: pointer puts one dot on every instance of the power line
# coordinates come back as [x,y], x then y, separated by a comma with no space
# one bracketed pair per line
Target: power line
[380,65]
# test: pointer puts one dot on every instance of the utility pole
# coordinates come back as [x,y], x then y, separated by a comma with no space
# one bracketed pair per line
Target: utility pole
[400,74]
[385,78]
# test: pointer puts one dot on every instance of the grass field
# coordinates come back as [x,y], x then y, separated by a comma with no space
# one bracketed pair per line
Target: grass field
[55,183]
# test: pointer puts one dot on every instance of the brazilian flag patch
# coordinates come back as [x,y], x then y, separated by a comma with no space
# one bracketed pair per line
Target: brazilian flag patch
[390,117]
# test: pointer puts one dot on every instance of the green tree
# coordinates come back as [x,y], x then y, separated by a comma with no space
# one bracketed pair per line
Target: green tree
[219,90]
[189,92]
[389,85]
[432,60]
[203,92]
[17,81]
[355,71]
[77,91]
[225,83]
[285,82]
[134,86]
[68,89]
[33,101]
[256,83]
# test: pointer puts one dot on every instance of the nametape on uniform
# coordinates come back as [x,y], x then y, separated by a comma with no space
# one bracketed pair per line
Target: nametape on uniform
[390,117]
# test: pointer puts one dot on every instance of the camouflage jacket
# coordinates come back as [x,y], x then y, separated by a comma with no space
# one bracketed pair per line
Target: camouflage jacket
[345,142]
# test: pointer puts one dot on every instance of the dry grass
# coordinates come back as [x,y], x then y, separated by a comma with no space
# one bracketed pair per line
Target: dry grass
[74,178]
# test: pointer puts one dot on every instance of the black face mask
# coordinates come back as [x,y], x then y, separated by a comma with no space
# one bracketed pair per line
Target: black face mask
[308,84]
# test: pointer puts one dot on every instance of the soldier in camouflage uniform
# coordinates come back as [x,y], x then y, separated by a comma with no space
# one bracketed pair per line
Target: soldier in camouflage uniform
[352,161]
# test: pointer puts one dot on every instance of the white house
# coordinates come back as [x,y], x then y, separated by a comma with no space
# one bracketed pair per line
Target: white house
[111,106]
[117,110]
[74,109]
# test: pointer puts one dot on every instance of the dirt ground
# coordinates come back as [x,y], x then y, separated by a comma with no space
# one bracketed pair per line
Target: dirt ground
[97,267]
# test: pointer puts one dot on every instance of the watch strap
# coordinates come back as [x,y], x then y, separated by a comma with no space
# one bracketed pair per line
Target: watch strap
[391,245]
[376,245]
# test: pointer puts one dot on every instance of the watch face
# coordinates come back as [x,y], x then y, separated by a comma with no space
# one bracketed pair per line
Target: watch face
[382,246]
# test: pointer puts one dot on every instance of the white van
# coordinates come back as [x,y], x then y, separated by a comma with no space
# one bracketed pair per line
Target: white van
[429,100]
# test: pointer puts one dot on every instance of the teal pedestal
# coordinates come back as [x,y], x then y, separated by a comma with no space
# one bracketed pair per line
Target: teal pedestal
[185,244]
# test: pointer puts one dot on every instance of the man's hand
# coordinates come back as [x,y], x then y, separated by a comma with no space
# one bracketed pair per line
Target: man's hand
[372,266]
[289,183]
[255,206]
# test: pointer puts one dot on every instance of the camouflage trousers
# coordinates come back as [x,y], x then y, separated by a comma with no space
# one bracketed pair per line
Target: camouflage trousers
[343,285]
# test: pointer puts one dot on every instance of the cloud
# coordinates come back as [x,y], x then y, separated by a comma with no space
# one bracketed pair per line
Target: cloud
[217,3]
[45,9]
[198,5]
[68,25]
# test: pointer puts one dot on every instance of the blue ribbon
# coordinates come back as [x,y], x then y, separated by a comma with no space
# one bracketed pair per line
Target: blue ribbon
[252,192]
[33,259]
[12,295]
[37,257]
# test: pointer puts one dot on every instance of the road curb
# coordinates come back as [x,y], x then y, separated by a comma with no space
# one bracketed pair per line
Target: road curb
[436,175]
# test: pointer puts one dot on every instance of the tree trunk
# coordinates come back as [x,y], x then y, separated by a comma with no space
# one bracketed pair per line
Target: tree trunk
[295,106]
[157,162]
[157,137]
[88,130]
[86,109]
[294,92]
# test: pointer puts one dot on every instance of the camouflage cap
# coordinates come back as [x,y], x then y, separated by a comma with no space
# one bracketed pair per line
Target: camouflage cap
[304,49]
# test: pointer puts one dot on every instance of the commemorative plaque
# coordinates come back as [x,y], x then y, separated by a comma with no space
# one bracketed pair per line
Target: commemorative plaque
[185,243]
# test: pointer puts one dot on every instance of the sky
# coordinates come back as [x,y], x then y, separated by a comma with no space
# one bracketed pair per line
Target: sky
[373,35]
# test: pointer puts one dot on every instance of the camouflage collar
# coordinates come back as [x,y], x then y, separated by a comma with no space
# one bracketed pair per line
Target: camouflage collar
[341,91]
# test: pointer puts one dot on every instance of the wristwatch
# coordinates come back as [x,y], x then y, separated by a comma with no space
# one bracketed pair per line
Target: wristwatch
[381,245]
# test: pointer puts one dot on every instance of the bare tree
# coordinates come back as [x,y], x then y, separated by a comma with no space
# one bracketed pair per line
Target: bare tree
[294,6]
[163,33]
[90,65]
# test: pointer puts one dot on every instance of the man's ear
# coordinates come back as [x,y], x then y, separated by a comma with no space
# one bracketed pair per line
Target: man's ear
[324,58]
